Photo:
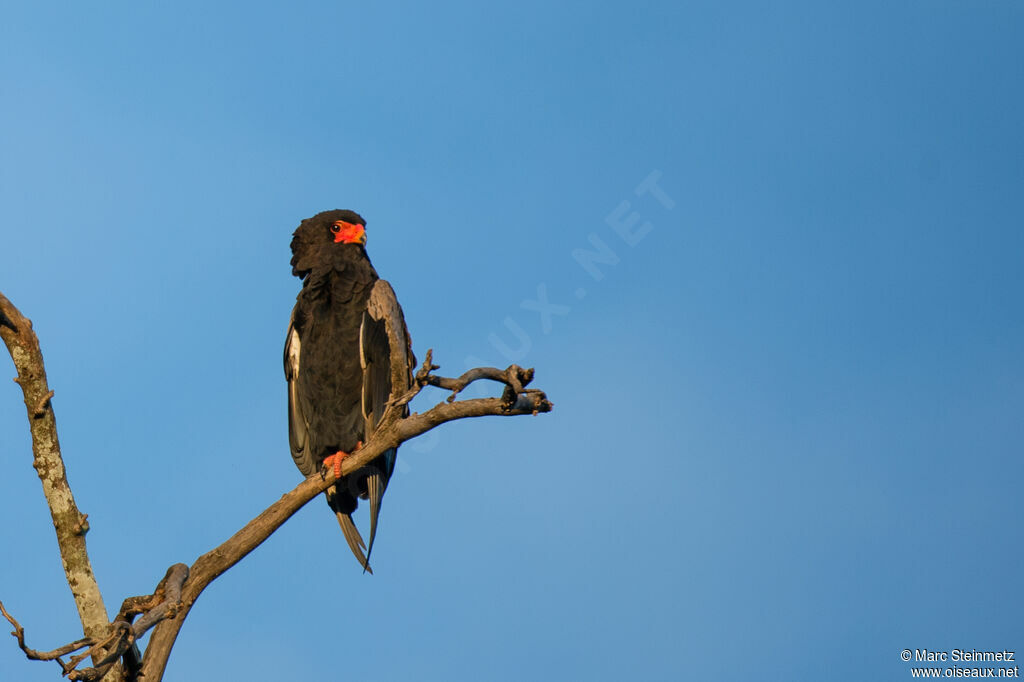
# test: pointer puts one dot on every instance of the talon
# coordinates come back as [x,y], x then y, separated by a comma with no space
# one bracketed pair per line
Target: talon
[334,462]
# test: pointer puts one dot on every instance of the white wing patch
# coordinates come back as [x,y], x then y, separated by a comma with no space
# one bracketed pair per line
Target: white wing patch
[362,342]
[294,348]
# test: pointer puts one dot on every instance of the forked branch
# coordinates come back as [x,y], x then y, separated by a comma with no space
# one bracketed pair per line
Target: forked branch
[122,635]
[166,609]
[392,432]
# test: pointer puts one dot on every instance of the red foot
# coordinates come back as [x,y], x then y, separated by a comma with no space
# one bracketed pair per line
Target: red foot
[334,460]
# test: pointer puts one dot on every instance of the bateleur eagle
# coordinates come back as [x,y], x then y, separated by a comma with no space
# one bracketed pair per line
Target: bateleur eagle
[337,360]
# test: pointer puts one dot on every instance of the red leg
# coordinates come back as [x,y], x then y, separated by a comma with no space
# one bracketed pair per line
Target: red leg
[335,459]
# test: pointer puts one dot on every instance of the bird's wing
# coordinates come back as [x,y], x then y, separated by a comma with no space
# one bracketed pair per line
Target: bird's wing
[298,431]
[298,425]
[379,384]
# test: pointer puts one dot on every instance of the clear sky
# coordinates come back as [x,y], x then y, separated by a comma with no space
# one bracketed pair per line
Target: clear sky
[787,439]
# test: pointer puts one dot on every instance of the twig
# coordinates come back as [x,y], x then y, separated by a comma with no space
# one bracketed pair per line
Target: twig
[514,377]
[19,634]
[41,406]
[117,631]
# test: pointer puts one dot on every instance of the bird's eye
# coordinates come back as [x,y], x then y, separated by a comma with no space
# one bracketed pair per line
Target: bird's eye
[335,228]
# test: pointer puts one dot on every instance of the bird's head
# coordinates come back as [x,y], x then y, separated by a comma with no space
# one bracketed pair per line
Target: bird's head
[317,236]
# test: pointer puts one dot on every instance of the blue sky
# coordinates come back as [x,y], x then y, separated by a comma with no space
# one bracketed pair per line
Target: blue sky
[787,437]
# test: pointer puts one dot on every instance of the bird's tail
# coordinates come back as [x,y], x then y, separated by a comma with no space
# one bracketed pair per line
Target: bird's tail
[354,540]
[375,485]
[351,533]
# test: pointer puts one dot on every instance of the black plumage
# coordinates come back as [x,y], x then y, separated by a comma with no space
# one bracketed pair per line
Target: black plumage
[338,362]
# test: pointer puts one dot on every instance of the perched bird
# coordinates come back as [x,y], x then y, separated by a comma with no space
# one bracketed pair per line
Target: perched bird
[338,363]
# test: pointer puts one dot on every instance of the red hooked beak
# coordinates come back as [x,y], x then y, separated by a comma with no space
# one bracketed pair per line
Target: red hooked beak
[349,233]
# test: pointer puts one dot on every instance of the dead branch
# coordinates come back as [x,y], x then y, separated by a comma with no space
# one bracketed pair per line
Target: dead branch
[121,638]
[392,431]
[514,378]
[21,341]
[163,603]
[19,634]
[171,601]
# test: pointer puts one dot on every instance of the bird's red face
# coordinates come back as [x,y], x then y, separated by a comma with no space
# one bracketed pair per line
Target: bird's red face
[348,233]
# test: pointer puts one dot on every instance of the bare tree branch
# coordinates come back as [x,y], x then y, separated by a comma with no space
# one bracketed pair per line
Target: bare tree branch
[19,634]
[171,601]
[120,641]
[391,432]
[68,521]
[163,603]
